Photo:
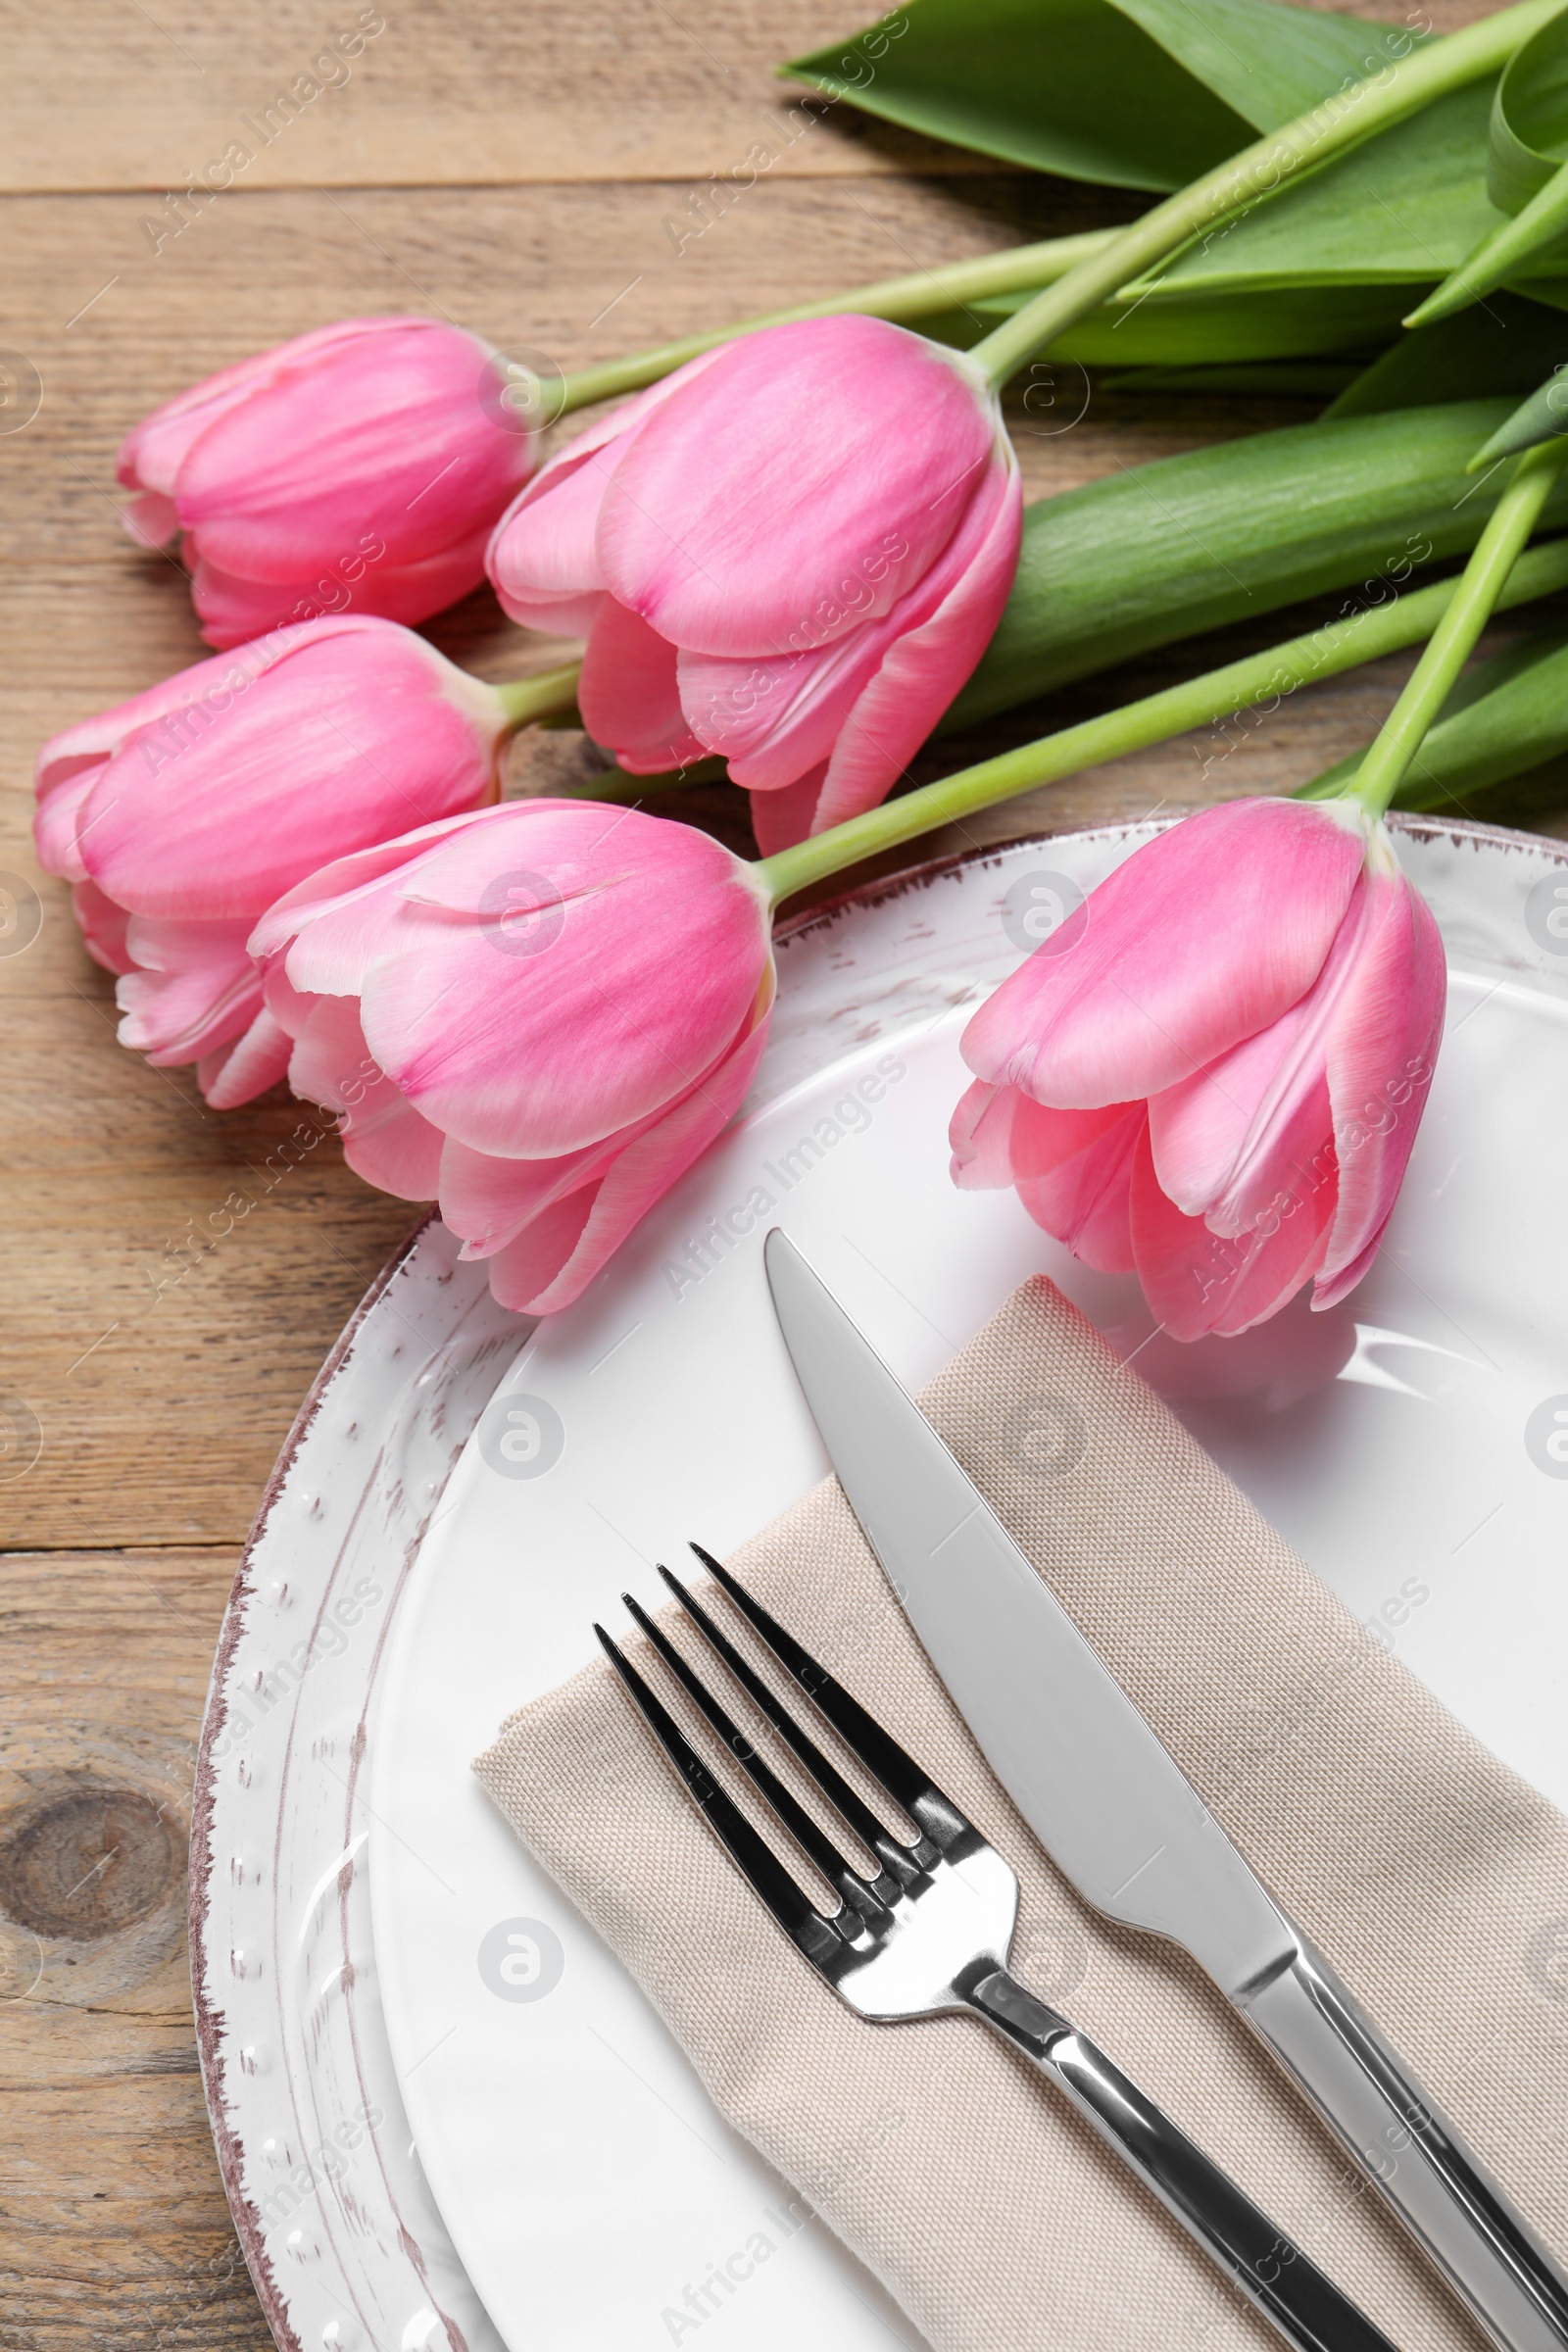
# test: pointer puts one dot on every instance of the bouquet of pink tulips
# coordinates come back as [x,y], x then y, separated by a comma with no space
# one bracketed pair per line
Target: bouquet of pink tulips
[800,548]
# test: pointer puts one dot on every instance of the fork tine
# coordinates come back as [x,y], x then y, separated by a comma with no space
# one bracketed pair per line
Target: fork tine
[854,1807]
[799,1822]
[897,1770]
[805,1925]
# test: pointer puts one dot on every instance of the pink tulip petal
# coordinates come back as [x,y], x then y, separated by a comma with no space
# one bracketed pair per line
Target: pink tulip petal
[1287,1154]
[1000,1135]
[527,1267]
[487,1202]
[534,1039]
[980,1134]
[359,467]
[339,943]
[1229,1141]
[1075,1180]
[1197,1281]
[233,608]
[55,824]
[543,558]
[777,720]
[153,451]
[399,1152]
[348,887]
[152,520]
[627,694]
[384,1139]
[1382,1051]
[237,1073]
[1327,1293]
[295,567]
[287,1007]
[841,445]
[1200,939]
[544,566]
[208,683]
[782,818]
[219,809]
[103,927]
[193,988]
[331,1063]
[637,1178]
[867,701]
[381,438]
[950,620]
[1072,1169]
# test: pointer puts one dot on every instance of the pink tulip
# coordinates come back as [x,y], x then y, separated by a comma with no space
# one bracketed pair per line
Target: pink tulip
[361,465]
[541,1013]
[792,552]
[184,814]
[1213,1073]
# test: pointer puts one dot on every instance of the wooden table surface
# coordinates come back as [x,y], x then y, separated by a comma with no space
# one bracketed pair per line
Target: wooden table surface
[518,169]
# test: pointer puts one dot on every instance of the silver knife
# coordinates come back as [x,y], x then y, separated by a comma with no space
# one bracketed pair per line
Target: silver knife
[1121,1820]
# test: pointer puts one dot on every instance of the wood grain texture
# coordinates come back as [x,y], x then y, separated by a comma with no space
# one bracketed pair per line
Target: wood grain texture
[441,94]
[114,2230]
[516,169]
[425,92]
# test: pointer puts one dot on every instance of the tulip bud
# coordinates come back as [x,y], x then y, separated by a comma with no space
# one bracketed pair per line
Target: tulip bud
[359,467]
[1213,1073]
[541,1013]
[180,816]
[792,552]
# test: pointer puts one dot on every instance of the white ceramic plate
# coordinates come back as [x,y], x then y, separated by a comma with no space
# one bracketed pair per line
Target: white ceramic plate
[585,2179]
[390,1610]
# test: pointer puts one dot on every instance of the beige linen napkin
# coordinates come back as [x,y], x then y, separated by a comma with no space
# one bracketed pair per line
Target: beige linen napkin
[1432,1877]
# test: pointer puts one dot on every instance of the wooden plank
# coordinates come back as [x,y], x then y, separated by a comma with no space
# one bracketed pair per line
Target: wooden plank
[114,2231]
[296,95]
[442,94]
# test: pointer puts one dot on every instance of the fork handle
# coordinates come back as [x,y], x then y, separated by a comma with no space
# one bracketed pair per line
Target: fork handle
[1283,2283]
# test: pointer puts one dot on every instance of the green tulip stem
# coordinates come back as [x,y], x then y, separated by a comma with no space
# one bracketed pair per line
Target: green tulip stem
[1336,123]
[547,694]
[1480,589]
[622,788]
[1216,696]
[923,294]
[1504,252]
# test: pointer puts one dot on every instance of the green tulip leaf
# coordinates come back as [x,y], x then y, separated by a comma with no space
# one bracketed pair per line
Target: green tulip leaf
[1155,553]
[1268,379]
[1403,209]
[1527,177]
[1542,417]
[1528,134]
[1136,93]
[1505,717]
[1199,329]
[1503,349]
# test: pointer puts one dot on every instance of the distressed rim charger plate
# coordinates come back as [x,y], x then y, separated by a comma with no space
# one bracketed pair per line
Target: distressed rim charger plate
[444,2114]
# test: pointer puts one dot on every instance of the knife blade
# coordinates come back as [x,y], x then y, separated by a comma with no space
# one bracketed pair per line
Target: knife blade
[1120,1819]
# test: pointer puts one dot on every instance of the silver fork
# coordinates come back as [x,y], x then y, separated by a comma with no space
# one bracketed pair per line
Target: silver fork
[928,1934]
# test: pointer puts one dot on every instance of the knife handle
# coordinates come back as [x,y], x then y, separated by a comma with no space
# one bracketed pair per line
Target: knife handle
[1415,2158]
[1286,2286]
